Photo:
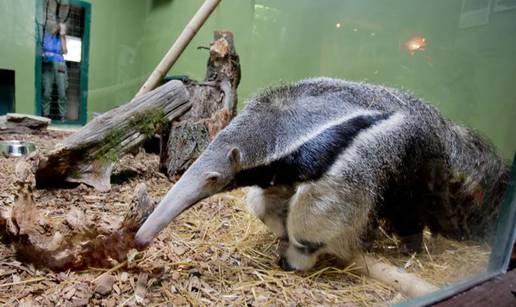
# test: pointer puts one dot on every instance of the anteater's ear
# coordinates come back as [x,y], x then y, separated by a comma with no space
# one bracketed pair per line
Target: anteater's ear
[234,157]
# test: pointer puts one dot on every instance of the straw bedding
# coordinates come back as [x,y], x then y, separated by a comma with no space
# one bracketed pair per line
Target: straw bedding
[214,254]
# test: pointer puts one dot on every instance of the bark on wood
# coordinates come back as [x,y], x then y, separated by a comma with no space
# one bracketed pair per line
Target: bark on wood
[35,239]
[187,140]
[214,105]
[23,123]
[88,155]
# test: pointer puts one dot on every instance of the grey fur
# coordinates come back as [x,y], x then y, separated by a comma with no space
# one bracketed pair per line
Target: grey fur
[413,169]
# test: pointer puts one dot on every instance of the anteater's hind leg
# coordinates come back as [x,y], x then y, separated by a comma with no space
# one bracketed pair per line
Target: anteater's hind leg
[271,207]
[418,202]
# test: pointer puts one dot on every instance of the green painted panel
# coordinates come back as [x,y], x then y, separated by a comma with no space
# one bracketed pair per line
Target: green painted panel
[115,56]
[17,39]
[466,68]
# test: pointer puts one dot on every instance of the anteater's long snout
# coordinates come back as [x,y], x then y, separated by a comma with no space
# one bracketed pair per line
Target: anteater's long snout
[209,175]
[183,195]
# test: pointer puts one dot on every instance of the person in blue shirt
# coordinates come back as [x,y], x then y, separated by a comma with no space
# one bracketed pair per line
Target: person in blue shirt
[54,69]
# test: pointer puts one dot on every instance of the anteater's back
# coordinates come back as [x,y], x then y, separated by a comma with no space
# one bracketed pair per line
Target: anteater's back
[449,178]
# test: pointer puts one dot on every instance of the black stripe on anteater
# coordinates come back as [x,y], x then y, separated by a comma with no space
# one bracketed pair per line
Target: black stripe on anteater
[312,159]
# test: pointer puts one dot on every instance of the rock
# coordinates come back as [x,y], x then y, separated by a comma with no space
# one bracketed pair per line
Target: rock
[23,123]
[104,284]
[30,121]
[141,288]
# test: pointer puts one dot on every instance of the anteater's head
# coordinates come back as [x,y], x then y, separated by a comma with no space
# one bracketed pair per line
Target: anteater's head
[211,173]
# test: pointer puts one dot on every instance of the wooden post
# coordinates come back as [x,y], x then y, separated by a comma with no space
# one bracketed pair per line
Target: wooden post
[179,46]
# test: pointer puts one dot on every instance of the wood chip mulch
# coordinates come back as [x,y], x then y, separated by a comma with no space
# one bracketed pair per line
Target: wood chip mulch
[214,254]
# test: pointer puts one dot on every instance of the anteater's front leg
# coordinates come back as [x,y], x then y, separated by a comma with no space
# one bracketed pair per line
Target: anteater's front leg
[270,205]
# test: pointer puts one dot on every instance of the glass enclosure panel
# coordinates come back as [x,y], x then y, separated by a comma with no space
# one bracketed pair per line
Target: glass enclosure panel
[60,29]
[456,55]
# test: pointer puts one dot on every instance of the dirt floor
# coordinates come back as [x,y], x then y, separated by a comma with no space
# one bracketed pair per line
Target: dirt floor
[214,254]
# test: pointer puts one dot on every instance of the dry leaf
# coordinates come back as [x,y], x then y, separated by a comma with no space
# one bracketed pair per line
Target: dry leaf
[82,295]
[179,250]
[124,276]
[141,288]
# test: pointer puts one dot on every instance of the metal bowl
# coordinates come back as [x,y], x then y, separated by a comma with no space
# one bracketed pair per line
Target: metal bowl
[16,148]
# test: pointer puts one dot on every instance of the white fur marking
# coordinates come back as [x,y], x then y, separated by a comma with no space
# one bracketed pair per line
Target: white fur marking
[368,136]
[298,260]
[255,202]
[312,134]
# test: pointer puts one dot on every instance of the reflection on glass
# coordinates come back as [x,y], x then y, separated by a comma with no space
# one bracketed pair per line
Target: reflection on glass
[415,44]
[54,72]
[61,60]
[456,55]
[74,47]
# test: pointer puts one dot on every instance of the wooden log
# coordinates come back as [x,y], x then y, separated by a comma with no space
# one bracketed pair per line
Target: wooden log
[37,239]
[187,140]
[215,102]
[87,156]
[224,67]
[407,283]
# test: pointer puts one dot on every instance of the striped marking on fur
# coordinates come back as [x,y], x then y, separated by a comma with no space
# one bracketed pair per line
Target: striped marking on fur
[282,151]
[366,139]
[312,159]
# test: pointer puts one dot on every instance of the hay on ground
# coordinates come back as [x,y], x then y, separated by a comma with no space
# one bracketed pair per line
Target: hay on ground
[214,254]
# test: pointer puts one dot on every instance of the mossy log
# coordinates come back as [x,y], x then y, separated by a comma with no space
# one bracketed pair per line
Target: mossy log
[88,155]
[215,105]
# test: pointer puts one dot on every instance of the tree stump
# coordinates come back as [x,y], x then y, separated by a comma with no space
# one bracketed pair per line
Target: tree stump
[214,105]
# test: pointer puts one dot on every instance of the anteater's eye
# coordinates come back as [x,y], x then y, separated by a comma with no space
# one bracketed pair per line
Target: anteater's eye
[212,177]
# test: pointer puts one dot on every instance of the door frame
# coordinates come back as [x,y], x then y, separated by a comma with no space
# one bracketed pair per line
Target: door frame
[83,104]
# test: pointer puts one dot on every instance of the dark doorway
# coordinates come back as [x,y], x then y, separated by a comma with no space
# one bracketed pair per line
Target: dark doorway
[6,91]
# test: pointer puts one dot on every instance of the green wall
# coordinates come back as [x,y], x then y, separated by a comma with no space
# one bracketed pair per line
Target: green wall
[467,72]
[115,59]
[17,38]
[117,28]
[166,19]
